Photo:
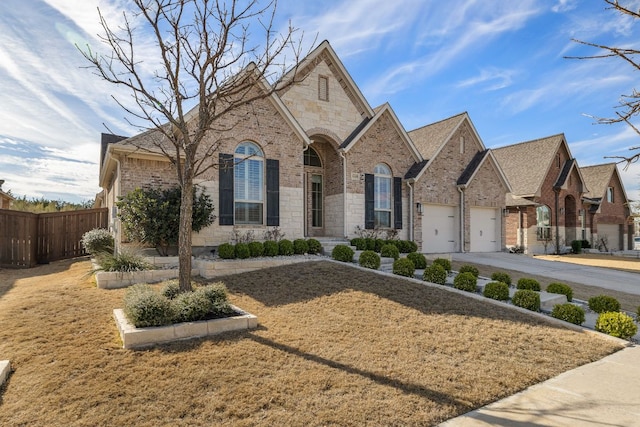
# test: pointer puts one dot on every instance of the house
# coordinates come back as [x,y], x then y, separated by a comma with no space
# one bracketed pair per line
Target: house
[5,198]
[316,160]
[609,224]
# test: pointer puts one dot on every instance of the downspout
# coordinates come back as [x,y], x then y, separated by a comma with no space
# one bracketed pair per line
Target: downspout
[410,211]
[118,239]
[557,192]
[344,193]
[461,190]
[305,197]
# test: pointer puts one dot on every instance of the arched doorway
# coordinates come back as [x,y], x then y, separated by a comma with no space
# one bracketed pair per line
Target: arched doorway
[570,219]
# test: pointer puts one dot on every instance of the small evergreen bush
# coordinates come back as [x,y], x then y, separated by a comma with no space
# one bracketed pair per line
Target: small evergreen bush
[405,246]
[465,281]
[146,308]
[285,247]
[300,246]
[496,290]
[97,240]
[412,246]
[242,251]
[256,249]
[526,298]
[445,263]
[342,253]
[370,244]
[576,246]
[586,244]
[403,267]
[569,313]
[390,251]
[604,304]
[501,276]
[560,288]
[616,324]
[359,243]
[315,247]
[171,289]
[369,259]
[469,269]
[379,243]
[418,260]
[226,251]
[435,273]
[216,293]
[124,261]
[191,306]
[528,283]
[270,248]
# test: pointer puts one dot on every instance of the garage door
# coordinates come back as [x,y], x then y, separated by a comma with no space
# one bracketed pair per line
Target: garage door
[612,233]
[484,231]
[439,229]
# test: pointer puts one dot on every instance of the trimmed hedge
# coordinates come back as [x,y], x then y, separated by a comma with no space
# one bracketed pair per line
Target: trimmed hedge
[360,243]
[300,246]
[315,247]
[285,247]
[435,273]
[270,248]
[417,259]
[146,308]
[528,284]
[226,251]
[256,249]
[616,324]
[469,269]
[501,276]
[561,288]
[369,259]
[466,281]
[569,313]
[604,304]
[526,298]
[404,267]
[342,253]
[242,251]
[496,290]
[445,263]
[390,251]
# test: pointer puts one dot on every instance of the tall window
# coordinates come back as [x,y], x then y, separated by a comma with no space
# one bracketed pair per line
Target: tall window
[543,215]
[248,184]
[610,194]
[316,200]
[382,196]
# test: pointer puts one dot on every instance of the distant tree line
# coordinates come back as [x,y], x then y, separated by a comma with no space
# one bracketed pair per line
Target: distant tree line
[43,205]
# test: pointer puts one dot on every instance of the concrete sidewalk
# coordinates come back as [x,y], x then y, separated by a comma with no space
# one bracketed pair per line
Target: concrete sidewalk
[602,393]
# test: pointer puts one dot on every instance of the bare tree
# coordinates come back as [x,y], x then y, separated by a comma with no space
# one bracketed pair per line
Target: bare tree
[629,105]
[207,60]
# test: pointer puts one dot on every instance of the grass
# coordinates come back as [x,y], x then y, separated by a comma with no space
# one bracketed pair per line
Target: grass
[335,346]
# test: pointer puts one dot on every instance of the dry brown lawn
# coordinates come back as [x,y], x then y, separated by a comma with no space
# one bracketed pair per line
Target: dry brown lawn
[335,346]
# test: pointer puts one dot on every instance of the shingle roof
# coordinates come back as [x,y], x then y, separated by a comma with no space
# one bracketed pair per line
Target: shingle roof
[526,164]
[415,169]
[564,174]
[596,179]
[355,133]
[428,139]
[471,167]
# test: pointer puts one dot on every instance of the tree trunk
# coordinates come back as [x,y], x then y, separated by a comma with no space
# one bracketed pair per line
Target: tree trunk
[186,220]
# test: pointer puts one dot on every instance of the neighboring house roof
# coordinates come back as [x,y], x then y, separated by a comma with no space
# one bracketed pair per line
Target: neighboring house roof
[597,178]
[4,195]
[430,139]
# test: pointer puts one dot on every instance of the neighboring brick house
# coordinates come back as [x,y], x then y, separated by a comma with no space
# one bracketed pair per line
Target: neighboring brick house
[320,162]
[609,225]
[5,198]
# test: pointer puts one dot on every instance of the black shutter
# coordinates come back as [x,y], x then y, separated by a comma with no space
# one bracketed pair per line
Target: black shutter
[225,192]
[369,214]
[397,203]
[273,193]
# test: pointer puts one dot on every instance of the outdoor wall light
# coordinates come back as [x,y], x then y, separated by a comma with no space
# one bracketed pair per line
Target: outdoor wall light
[419,208]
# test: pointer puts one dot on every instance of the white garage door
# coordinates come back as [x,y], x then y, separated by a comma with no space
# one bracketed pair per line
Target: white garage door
[612,234]
[439,229]
[483,233]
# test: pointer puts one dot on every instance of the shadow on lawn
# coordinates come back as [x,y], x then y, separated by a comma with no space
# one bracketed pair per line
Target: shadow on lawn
[9,276]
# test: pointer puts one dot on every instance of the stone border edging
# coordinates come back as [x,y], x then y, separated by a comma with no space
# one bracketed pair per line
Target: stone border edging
[5,370]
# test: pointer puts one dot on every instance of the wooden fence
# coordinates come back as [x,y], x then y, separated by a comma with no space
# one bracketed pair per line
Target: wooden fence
[27,239]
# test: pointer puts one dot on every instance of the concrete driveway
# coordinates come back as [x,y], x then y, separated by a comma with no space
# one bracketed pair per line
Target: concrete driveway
[562,271]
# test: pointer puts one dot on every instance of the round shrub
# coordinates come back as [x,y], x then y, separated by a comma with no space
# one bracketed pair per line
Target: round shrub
[604,304]
[256,249]
[242,251]
[411,246]
[216,293]
[191,306]
[171,289]
[405,246]
[300,246]
[469,269]
[527,283]
[285,247]
[501,276]
[359,243]
[417,259]
[97,240]
[342,253]
[390,251]
[465,281]
[445,263]
[576,246]
[560,288]
[270,248]
[616,324]
[526,298]
[370,244]
[146,308]
[226,251]
[315,247]
[569,313]
[435,273]
[496,290]
[379,243]
[369,259]
[403,267]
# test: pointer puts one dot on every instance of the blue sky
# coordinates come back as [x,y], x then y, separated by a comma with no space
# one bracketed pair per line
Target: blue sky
[501,61]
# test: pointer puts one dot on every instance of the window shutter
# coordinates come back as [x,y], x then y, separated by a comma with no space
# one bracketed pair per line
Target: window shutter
[397,203]
[225,192]
[369,214]
[273,193]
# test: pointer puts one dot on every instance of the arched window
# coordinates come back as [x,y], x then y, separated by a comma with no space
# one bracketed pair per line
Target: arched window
[382,195]
[311,158]
[543,217]
[248,184]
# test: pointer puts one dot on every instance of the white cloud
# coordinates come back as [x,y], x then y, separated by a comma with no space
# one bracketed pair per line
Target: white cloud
[491,78]
[564,6]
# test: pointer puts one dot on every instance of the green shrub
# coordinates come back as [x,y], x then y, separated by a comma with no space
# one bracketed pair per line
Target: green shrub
[560,288]
[379,243]
[370,244]
[526,298]
[300,246]
[638,314]
[616,324]
[285,247]
[342,253]
[170,289]
[126,260]
[586,244]
[569,313]
[315,247]
[270,248]
[97,240]
[576,246]
[242,251]
[369,259]
[604,304]
[405,246]
[496,290]
[216,293]
[465,281]
[501,276]
[412,246]
[191,306]
[390,251]
[469,269]
[359,243]
[146,308]
[528,283]
[435,273]
[445,263]
[256,249]
[403,267]
[226,251]
[417,259]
